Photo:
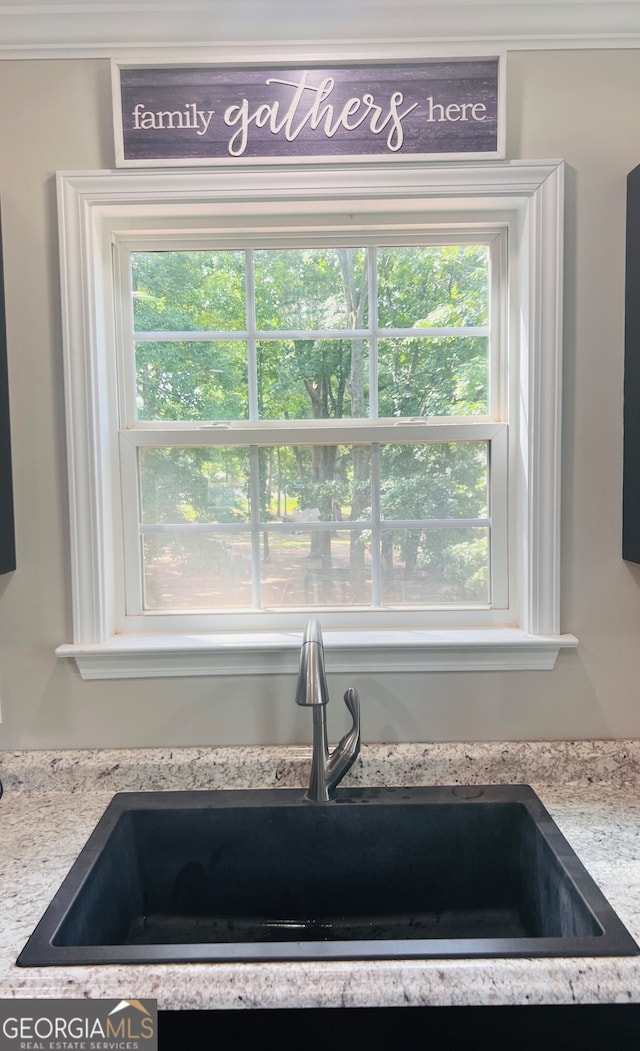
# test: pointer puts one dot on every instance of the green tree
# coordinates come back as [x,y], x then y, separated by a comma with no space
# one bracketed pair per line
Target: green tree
[301,296]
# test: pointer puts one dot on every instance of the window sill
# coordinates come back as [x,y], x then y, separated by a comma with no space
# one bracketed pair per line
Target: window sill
[162,656]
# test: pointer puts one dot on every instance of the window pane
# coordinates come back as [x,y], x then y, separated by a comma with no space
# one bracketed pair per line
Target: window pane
[313,378]
[433,377]
[197,571]
[194,485]
[437,480]
[319,483]
[320,568]
[188,291]
[192,381]
[423,538]
[435,566]
[311,288]
[433,286]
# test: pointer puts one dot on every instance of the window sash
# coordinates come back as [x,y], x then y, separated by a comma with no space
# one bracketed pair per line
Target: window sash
[494,237]
[373,433]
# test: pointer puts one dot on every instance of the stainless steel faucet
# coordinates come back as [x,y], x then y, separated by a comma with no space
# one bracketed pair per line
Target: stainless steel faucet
[327,769]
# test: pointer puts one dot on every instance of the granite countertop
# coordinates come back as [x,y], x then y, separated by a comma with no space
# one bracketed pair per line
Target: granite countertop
[52,801]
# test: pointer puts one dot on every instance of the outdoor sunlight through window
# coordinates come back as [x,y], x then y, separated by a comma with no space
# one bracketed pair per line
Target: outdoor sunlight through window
[370,370]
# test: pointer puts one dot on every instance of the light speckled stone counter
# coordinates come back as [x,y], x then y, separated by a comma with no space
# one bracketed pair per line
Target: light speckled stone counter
[53,800]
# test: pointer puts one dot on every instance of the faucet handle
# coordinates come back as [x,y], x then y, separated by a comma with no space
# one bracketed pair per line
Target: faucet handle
[352,701]
[346,751]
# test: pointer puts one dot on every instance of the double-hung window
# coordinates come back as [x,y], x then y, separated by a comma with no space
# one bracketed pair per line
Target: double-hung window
[317,425]
[313,392]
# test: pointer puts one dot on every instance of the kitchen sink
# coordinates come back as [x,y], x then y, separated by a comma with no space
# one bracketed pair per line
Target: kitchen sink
[464,871]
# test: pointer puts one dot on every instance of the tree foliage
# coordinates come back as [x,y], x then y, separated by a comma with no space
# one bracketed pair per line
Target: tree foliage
[295,335]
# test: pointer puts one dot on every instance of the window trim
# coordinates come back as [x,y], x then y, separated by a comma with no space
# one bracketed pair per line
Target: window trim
[529,196]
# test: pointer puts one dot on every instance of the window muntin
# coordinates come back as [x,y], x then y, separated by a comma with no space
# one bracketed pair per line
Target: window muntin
[368,337]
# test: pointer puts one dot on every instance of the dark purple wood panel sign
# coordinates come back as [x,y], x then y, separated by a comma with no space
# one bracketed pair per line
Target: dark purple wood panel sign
[196,115]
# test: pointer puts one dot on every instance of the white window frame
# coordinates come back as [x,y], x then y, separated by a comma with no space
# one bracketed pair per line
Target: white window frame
[526,199]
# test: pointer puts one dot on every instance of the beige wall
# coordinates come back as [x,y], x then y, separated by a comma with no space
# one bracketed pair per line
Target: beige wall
[579,105]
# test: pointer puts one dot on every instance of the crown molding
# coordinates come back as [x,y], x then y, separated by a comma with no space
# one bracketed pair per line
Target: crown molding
[201,29]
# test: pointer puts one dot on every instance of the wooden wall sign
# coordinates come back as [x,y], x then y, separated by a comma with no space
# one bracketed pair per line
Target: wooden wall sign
[440,109]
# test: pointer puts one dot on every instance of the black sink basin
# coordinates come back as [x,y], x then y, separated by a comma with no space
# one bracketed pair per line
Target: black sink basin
[378,873]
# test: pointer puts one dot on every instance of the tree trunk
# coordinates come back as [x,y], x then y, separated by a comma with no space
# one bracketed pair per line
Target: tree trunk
[356,298]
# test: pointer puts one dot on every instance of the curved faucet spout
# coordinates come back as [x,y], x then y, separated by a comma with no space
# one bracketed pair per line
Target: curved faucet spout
[327,768]
[312,684]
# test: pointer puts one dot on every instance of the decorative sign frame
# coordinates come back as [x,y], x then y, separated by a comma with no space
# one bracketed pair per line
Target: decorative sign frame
[432,109]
